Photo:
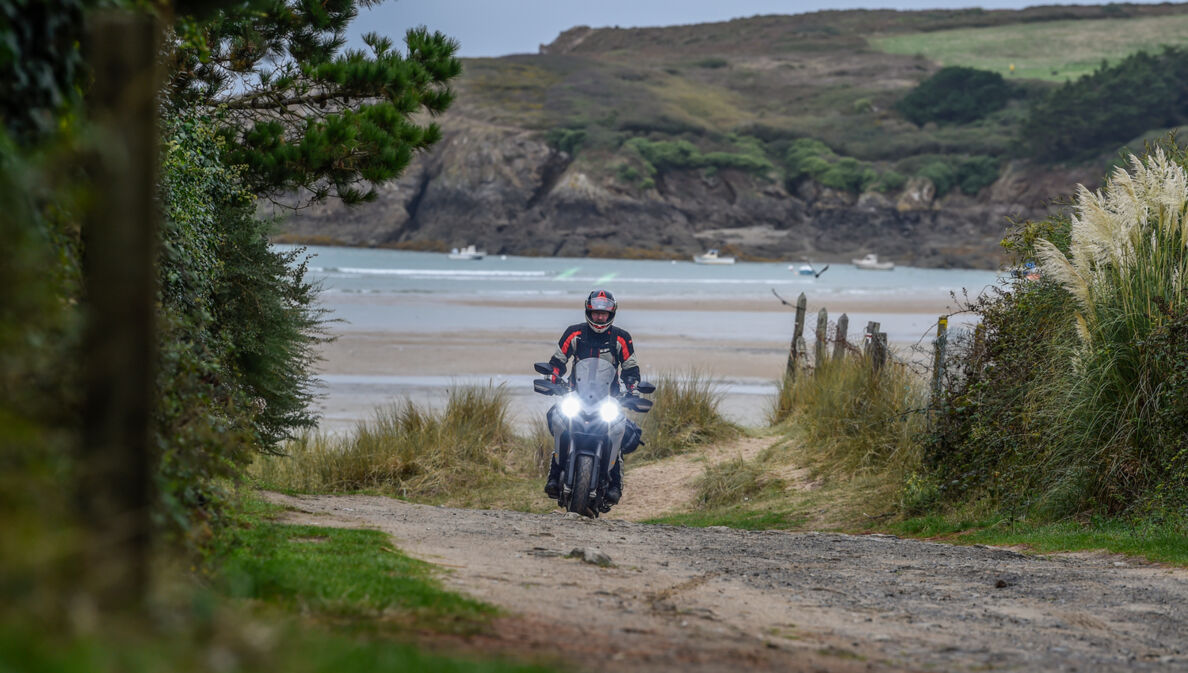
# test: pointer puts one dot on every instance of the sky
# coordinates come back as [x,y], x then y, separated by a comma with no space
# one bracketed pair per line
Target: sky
[501,27]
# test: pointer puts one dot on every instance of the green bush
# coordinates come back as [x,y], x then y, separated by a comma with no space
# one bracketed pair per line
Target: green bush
[566,140]
[237,331]
[942,174]
[662,155]
[970,174]
[955,95]
[889,181]
[1100,111]
[713,62]
[1070,399]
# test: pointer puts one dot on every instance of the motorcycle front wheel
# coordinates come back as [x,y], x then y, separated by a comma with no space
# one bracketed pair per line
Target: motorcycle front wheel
[579,500]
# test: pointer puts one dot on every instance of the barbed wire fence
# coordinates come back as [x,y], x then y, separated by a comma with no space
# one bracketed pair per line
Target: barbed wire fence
[940,356]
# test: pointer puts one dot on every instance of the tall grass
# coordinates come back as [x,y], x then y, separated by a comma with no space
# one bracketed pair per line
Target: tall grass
[732,482]
[685,415]
[862,422]
[1122,430]
[406,450]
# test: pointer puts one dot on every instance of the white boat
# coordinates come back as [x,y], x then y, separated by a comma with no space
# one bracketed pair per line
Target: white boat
[469,252]
[871,263]
[712,257]
[802,269]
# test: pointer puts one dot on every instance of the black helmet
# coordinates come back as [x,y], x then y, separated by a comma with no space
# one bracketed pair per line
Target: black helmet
[601,300]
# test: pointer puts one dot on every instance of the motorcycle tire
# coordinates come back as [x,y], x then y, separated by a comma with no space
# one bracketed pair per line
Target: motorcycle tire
[579,500]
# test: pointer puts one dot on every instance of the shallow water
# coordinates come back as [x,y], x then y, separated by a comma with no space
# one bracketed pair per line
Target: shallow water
[667,306]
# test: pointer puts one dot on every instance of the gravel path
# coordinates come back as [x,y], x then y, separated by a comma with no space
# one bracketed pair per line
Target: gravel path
[716,599]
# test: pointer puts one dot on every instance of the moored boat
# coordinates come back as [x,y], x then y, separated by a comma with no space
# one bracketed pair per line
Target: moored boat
[469,252]
[871,263]
[712,257]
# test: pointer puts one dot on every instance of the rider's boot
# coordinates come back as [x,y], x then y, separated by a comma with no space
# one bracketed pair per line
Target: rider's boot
[553,485]
[614,490]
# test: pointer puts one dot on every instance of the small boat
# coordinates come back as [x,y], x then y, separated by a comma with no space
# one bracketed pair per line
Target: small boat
[807,269]
[712,257]
[871,263]
[469,252]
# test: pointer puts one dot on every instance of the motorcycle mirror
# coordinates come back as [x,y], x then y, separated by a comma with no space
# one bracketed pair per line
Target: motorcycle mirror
[544,386]
[543,368]
[645,387]
[638,404]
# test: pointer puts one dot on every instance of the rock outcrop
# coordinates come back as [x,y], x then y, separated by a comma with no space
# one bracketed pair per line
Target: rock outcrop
[505,190]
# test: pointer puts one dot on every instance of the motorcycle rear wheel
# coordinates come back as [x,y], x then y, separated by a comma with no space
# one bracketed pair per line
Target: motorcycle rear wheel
[579,500]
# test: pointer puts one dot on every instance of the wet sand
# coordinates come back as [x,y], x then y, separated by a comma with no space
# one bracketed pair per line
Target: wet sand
[394,347]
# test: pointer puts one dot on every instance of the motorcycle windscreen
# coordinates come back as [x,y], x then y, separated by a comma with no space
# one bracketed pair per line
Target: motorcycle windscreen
[594,377]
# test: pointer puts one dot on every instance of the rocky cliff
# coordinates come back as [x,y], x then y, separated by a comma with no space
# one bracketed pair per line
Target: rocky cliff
[505,190]
[541,153]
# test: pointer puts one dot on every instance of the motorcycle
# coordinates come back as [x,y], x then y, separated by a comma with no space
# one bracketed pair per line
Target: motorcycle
[589,428]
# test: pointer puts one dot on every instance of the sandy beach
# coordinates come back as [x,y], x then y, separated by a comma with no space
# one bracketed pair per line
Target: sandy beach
[388,348]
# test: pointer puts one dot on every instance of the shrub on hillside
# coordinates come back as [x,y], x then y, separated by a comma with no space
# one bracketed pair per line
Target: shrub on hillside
[566,140]
[970,174]
[1111,106]
[955,95]
[663,155]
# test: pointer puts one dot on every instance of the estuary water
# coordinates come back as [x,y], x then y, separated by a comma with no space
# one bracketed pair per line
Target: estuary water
[414,324]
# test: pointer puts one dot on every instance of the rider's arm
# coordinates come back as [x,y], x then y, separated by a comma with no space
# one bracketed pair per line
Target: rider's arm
[627,363]
[565,348]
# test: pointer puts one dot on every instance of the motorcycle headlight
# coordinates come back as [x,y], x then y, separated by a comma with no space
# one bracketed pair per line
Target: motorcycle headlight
[609,410]
[570,406]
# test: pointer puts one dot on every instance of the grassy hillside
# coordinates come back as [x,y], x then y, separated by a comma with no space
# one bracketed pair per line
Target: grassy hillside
[1052,51]
[834,76]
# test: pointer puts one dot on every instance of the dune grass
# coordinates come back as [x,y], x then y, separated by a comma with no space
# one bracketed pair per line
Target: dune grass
[858,420]
[684,416]
[408,451]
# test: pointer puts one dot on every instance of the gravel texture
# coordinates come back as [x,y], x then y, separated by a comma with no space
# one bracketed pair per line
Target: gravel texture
[687,599]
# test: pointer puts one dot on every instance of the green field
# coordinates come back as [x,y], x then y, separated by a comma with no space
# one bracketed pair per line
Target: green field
[1053,51]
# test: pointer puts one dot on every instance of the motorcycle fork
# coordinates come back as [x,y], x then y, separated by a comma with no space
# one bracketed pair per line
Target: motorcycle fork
[570,459]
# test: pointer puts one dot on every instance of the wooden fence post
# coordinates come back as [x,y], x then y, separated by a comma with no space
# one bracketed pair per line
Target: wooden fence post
[879,351]
[797,348]
[872,329]
[119,343]
[938,356]
[819,347]
[839,342]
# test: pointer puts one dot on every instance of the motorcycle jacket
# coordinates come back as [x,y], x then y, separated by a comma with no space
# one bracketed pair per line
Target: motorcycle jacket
[614,345]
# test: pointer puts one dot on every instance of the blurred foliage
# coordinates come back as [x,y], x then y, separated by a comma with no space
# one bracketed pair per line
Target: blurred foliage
[41,66]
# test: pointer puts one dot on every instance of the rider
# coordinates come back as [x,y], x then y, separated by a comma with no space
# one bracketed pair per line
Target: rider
[597,338]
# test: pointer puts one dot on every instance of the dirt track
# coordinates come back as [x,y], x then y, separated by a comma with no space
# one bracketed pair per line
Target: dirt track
[684,599]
